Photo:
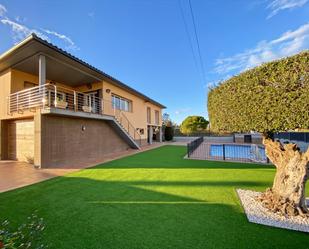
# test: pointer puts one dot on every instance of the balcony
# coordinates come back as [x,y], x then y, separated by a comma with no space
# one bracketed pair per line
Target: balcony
[47,96]
[73,103]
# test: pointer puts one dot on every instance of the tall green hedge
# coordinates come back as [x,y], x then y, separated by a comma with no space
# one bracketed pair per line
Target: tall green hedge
[271,97]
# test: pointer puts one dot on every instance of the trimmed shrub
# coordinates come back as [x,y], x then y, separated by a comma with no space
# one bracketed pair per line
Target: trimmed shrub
[272,97]
[169,133]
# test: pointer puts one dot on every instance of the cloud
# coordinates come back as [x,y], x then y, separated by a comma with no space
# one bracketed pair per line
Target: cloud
[2,10]
[279,5]
[20,31]
[66,39]
[183,110]
[289,43]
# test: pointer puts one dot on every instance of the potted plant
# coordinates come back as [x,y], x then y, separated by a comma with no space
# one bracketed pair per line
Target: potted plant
[87,108]
[60,103]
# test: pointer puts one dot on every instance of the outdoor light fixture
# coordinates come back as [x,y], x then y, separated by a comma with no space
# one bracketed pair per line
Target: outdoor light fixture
[108,90]
[83,128]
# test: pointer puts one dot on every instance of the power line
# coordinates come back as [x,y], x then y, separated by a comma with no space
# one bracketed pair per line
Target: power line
[188,35]
[197,41]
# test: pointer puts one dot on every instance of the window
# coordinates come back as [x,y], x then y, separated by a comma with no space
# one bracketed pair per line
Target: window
[148,115]
[157,117]
[121,103]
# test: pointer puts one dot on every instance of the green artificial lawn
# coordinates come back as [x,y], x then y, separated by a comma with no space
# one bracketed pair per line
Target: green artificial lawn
[156,200]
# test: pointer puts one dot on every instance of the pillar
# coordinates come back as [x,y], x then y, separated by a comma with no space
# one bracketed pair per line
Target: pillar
[42,70]
[38,140]
[150,134]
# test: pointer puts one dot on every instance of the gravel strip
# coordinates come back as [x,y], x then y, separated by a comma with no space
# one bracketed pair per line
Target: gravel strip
[256,213]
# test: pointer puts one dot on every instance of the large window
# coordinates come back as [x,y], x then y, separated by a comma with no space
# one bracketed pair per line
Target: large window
[148,115]
[121,103]
[156,117]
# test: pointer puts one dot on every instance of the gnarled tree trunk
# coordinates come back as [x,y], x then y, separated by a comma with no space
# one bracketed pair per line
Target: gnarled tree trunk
[287,196]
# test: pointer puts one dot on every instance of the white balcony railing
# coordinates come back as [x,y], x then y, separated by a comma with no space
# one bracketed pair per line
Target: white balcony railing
[50,95]
[53,96]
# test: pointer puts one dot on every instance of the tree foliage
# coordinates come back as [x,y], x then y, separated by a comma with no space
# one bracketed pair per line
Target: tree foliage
[193,124]
[269,98]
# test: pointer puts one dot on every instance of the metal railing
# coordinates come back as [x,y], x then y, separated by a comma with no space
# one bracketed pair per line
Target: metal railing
[293,136]
[49,95]
[127,126]
[192,146]
[53,96]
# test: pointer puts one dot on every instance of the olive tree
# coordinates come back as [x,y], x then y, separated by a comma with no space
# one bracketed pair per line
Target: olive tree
[193,124]
[270,98]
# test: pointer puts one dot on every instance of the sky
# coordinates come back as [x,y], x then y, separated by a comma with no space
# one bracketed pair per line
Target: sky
[170,50]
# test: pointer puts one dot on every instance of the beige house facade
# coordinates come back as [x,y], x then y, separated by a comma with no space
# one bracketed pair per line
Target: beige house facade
[57,110]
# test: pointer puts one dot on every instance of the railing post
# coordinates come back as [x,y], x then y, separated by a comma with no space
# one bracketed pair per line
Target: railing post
[223,151]
[17,102]
[49,98]
[9,105]
[55,102]
[188,149]
[74,101]
[102,107]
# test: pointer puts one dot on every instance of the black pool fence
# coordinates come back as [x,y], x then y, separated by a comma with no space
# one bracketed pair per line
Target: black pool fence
[293,136]
[199,149]
[192,146]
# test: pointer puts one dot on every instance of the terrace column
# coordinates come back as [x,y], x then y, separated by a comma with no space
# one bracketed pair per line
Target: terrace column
[150,134]
[42,70]
[160,134]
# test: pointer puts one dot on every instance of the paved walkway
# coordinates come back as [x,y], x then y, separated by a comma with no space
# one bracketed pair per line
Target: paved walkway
[14,174]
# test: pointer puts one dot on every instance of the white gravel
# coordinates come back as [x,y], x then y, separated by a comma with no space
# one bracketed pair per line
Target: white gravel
[256,213]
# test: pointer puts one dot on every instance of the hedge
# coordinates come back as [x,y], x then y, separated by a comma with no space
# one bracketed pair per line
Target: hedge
[271,97]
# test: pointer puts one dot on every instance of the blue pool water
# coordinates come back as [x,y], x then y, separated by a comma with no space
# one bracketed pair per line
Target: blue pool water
[251,152]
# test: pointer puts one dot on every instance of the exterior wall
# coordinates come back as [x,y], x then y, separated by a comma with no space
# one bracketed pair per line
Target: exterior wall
[18,79]
[3,140]
[138,115]
[5,90]
[65,144]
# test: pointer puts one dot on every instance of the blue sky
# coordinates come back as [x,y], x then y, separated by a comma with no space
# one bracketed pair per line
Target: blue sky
[144,43]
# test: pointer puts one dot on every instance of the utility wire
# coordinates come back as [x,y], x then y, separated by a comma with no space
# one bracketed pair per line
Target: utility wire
[188,35]
[197,41]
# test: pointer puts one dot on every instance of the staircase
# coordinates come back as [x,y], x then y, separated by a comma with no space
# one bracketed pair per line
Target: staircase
[127,131]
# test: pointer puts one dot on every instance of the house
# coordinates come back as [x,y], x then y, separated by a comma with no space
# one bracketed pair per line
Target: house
[57,110]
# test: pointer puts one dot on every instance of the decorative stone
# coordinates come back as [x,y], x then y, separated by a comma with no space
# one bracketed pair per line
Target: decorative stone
[256,213]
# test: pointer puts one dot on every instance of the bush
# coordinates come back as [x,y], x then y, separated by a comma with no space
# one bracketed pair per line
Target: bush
[169,133]
[271,97]
[193,124]
[27,235]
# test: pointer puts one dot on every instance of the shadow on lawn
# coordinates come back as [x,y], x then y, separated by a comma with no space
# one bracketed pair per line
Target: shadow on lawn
[172,157]
[87,213]
[156,163]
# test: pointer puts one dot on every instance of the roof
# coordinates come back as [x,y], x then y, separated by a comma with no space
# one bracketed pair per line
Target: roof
[34,37]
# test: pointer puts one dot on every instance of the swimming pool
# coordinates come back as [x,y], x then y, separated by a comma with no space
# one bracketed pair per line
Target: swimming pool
[234,151]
